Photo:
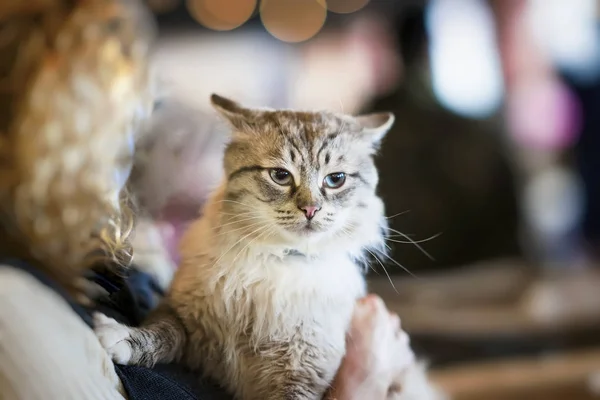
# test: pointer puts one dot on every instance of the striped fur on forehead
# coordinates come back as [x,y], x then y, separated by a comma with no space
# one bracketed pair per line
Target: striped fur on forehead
[308,140]
[312,137]
[309,147]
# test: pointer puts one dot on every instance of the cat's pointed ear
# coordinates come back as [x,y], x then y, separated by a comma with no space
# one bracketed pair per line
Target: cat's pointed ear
[376,125]
[240,117]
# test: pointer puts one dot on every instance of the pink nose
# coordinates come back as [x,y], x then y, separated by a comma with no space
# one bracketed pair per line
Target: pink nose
[310,211]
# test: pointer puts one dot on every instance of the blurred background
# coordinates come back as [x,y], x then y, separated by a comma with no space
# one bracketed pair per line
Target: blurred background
[490,176]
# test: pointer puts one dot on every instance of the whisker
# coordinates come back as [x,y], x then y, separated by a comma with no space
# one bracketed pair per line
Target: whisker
[384,270]
[236,243]
[235,202]
[347,232]
[238,220]
[238,229]
[270,227]
[399,214]
[413,242]
[400,265]
[240,214]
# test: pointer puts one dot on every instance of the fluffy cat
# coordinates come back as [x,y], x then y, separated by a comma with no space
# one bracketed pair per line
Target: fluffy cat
[270,274]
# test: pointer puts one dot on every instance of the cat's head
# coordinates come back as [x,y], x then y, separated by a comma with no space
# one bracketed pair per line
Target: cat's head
[300,176]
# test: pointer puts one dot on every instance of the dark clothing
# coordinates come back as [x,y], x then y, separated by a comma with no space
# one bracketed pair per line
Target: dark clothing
[130,299]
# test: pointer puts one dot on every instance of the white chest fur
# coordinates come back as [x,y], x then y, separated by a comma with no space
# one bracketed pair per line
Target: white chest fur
[252,309]
[273,293]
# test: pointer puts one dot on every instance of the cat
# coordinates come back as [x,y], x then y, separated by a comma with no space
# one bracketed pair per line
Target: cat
[270,274]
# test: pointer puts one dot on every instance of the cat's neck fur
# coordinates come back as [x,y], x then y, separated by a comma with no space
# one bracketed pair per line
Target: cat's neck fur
[266,280]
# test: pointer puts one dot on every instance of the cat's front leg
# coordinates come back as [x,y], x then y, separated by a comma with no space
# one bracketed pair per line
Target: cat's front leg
[298,384]
[161,339]
[295,371]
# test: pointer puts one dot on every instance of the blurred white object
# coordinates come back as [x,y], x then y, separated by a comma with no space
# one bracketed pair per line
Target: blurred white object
[554,200]
[150,253]
[465,66]
[178,157]
[567,32]
[342,70]
[248,67]
[553,205]
[178,163]
[338,70]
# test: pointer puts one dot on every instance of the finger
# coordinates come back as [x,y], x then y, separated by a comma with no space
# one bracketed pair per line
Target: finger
[377,302]
[363,314]
[370,310]
[364,321]
[372,301]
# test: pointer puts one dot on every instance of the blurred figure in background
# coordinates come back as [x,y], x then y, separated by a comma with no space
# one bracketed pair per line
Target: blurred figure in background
[543,121]
[443,176]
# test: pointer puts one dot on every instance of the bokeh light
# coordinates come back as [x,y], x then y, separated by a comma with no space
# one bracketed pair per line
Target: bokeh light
[221,15]
[554,201]
[465,65]
[346,6]
[568,33]
[544,115]
[293,20]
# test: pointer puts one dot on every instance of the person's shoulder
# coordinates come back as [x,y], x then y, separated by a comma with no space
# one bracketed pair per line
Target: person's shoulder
[29,299]
[41,332]
[26,287]
[18,283]
[24,299]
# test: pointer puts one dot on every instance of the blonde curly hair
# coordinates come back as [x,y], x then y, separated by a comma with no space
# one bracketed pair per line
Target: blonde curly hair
[74,85]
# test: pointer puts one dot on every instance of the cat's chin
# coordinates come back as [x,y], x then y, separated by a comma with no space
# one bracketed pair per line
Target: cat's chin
[303,233]
[307,230]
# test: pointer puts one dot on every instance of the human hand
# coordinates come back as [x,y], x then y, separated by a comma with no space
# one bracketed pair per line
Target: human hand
[377,353]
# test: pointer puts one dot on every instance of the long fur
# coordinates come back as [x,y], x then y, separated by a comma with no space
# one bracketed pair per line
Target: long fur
[263,298]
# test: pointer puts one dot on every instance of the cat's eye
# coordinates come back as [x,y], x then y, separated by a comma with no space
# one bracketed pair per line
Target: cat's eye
[335,180]
[281,176]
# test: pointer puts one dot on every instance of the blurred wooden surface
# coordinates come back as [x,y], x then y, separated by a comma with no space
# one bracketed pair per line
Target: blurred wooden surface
[495,306]
[574,376]
[503,298]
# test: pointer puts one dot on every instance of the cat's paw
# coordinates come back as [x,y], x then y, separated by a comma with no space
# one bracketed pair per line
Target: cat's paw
[113,337]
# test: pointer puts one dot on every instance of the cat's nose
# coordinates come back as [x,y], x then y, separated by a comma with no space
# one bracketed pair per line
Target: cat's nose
[309,211]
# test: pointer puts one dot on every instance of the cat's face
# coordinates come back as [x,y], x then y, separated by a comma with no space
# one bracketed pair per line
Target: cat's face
[299,175]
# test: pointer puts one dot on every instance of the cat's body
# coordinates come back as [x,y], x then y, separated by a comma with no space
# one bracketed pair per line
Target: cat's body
[258,312]
[270,274]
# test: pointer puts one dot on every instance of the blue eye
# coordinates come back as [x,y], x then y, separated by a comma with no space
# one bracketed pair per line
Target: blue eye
[335,180]
[281,176]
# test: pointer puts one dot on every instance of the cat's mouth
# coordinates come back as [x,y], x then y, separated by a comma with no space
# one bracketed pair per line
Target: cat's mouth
[304,228]
[309,227]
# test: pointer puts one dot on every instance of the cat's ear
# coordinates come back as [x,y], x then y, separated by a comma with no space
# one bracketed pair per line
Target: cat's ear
[240,117]
[376,125]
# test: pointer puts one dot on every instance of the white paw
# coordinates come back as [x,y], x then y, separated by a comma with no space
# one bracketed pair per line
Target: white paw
[112,335]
